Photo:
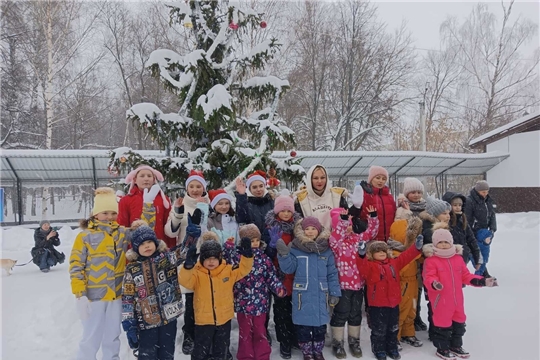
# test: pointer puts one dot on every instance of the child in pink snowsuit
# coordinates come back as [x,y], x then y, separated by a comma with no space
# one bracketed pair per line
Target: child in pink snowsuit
[444,273]
[344,244]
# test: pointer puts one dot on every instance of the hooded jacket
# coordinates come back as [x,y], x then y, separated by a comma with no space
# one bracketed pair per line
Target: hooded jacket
[344,246]
[315,277]
[253,210]
[447,304]
[480,212]
[308,203]
[150,291]
[383,201]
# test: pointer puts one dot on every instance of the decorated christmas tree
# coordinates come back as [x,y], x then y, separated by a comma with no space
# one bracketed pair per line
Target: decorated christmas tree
[226,125]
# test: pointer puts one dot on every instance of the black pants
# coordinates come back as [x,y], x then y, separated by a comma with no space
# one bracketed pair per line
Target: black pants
[420,287]
[348,309]
[384,328]
[212,341]
[158,343]
[430,320]
[189,316]
[285,331]
[308,334]
[446,338]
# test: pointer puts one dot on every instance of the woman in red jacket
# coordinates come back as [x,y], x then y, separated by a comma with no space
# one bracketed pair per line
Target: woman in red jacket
[130,206]
[378,195]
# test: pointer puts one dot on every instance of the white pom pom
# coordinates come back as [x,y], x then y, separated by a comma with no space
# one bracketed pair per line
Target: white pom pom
[285,192]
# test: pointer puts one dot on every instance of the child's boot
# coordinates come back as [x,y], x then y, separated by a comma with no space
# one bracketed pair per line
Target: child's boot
[318,347]
[394,354]
[284,351]
[381,355]
[307,350]
[445,354]
[460,352]
[354,341]
[337,342]
[411,340]
[187,345]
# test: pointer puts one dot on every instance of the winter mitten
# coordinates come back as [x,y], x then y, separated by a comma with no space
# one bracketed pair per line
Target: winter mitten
[83,307]
[419,242]
[275,234]
[437,285]
[362,249]
[245,248]
[191,257]
[150,195]
[282,248]
[196,217]
[193,229]
[333,300]
[491,282]
[130,327]
[366,187]
[357,196]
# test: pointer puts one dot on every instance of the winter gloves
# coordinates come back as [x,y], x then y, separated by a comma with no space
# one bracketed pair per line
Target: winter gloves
[488,282]
[193,228]
[437,285]
[191,258]
[419,242]
[245,248]
[130,327]
[282,248]
[150,195]
[83,307]
[362,249]
[357,196]
[333,300]
[275,234]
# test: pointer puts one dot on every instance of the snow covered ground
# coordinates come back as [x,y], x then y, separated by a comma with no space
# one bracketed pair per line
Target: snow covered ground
[39,319]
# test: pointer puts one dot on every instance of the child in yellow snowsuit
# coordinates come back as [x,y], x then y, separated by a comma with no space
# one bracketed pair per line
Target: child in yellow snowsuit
[403,233]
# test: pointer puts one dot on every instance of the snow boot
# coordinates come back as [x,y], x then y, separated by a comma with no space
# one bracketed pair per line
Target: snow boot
[354,341]
[318,347]
[381,355]
[394,354]
[328,336]
[411,340]
[337,342]
[399,347]
[307,350]
[187,345]
[309,357]
[419,325]
[445,354]
[284,351]
[460,352]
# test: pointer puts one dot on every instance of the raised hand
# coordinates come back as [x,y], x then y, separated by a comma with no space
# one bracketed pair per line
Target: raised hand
[191,257]
[362,249]
[240,186]
[357,196]
[282,248]
[275,234]
[371,209]
[245,247]
[419,242]
[150,195]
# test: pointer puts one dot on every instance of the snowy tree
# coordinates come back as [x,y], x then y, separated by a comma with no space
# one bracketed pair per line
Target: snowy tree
[227,125]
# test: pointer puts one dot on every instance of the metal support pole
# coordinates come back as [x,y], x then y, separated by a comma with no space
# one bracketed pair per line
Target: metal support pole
[422,126]
[94,175]
[19,201]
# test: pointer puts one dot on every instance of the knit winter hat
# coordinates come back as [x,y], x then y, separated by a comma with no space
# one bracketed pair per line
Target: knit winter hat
[282,203]
[311,221]
[435,207]
[481,185]
[376,170]
[210,248]
[483,234]
[412,184]
[442,235]
[257,175]
[217,195]
[43,222]
[196,175]
[250,231]
[140,235]
[104,200]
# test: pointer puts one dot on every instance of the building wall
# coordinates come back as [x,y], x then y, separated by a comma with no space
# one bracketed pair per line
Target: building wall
[522,168]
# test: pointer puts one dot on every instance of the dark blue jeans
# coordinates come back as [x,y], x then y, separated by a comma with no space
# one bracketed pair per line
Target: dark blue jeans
[158,343]
[46,260]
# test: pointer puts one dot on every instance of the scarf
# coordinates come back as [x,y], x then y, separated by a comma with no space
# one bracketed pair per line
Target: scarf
[314,246]
[444,253]
[418,206]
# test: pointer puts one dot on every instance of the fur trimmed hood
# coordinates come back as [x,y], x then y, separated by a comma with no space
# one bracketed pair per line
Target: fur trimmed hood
[424,215]
[428,250]
[131,255]
[271,220]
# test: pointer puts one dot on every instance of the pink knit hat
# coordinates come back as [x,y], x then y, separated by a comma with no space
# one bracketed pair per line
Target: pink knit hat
[442,235]
[311,221]
[376,170]
[282,203]
[130,179]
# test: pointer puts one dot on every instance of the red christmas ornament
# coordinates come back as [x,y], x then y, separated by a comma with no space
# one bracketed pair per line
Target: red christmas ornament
[263,24]
[293,153]
[233,26]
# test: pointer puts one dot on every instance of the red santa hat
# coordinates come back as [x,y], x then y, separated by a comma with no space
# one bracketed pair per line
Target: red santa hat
[217,195]
[196,175]
[257,175]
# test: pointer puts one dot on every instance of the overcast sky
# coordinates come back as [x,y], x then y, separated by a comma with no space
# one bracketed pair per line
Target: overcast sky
[425,17]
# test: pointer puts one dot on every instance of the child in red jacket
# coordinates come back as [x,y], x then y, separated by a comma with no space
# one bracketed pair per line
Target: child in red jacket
[381,273]
[444,273]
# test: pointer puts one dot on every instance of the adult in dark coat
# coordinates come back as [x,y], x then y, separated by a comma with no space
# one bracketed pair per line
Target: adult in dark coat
[44,255]
[480,210]
[460,229]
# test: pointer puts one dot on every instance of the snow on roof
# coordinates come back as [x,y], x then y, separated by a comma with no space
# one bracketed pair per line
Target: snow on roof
[501,130]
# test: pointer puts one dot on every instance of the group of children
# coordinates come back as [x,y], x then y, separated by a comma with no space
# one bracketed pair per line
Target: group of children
[318,275]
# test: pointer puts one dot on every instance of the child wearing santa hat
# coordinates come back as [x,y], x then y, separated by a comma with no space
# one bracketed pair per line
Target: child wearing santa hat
[221,219]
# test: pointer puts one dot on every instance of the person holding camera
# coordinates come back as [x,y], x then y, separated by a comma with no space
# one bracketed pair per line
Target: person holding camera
[44,255]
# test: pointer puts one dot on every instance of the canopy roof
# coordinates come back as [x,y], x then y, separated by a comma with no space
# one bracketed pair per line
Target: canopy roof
[84,166]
